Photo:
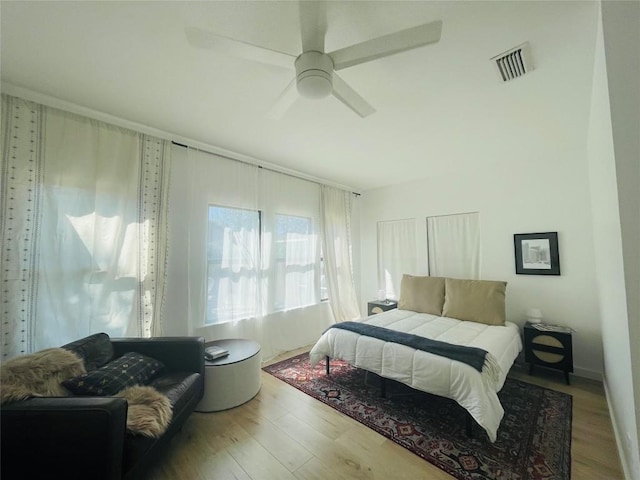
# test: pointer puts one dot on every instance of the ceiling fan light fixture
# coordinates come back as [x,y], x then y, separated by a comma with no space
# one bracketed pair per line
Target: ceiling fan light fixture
[314,84]
[314,75]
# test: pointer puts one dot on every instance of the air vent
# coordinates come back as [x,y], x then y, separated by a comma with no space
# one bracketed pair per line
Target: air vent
[514,62]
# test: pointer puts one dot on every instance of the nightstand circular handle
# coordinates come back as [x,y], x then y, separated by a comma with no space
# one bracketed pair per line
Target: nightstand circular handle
[550,342]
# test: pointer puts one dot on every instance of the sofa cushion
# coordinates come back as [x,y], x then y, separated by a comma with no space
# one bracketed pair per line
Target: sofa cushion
[96,350]
[481,301]
[421,294]
[130,369]
[38,374]
[179,387]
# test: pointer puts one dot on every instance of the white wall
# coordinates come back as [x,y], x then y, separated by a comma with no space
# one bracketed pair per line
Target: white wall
[609,261]
[615,164]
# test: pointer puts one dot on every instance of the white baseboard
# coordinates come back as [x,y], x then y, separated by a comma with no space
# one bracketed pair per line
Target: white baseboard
[616,433]
[577,371]
[586,373]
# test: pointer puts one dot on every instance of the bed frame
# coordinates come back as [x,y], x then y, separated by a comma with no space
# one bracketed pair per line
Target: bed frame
[468,419]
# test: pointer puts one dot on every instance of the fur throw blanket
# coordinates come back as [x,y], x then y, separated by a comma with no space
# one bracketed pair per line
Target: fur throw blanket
[38,374]
[149,411]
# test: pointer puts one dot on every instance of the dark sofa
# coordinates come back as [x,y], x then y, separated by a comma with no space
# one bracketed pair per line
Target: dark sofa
[81,437]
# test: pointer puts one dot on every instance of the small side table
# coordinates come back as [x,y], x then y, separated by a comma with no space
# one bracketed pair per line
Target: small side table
[379,306]
[548,349]
[231,380]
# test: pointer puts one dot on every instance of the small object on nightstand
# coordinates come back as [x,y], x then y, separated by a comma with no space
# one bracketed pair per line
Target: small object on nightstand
[534,315]
[548,346]
[379,306]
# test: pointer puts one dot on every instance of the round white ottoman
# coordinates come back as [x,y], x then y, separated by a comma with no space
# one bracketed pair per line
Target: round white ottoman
[234,379]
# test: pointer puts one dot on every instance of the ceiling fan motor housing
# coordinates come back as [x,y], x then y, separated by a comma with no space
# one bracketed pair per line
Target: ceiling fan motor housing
[314,74]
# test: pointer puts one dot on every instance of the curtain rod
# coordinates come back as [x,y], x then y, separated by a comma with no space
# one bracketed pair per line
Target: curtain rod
[450,214]
[252,164]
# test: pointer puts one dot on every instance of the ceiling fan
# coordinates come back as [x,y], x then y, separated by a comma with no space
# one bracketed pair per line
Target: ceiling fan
[315,69]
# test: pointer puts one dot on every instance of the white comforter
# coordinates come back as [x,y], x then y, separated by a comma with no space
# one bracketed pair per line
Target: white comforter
[428,372]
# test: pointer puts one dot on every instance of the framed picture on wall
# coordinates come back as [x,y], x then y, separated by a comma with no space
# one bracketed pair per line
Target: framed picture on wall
[537,253]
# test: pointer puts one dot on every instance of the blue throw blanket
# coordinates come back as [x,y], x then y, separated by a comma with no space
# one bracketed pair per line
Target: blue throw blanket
[473,356]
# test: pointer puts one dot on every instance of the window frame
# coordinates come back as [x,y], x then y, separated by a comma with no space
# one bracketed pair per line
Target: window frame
[268,219]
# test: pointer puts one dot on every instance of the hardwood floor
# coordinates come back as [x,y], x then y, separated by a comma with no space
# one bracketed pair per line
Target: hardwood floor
[283,434]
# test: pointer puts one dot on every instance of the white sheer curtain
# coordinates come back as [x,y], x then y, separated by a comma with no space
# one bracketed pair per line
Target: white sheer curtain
[233,264]
[454,245]
[92,202]
[232,290]
[20,201]
[290,227]
[270,269]
[336,246]
[396,254]
[294,262]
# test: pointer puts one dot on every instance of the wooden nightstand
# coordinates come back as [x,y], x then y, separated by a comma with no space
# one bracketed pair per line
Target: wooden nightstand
[379,306]
[548,349]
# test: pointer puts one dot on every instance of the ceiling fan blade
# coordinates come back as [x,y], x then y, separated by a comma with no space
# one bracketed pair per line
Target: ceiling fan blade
[288,96]
[350,97]
[313,25]
[204,39]
[387,45]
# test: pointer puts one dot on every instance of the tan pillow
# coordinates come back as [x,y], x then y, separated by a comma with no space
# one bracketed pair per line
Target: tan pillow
[422,294]
[479,301]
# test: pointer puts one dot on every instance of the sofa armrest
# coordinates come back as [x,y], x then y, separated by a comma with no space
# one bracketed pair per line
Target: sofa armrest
[179,354]
[63,437]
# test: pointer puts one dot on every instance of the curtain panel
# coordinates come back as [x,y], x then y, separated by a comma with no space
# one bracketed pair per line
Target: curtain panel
[20,200]
[84,219]
[454,245]
[396,254]
[336,208]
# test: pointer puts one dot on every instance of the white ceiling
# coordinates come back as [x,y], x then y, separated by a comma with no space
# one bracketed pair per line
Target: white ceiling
[436,105]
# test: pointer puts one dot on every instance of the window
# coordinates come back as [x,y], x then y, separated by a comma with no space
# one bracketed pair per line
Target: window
[232,258]
[259,263]
[295,263]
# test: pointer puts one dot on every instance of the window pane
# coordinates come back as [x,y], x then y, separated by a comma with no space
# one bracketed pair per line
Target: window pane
[232,258]
[295,263]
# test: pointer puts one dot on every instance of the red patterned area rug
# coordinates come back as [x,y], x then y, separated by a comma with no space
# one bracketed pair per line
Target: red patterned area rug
[534,439]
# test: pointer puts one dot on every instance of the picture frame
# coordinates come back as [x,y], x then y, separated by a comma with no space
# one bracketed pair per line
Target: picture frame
[537,253]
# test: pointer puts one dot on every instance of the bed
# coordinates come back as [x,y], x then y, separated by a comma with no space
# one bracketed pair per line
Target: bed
[468,313]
